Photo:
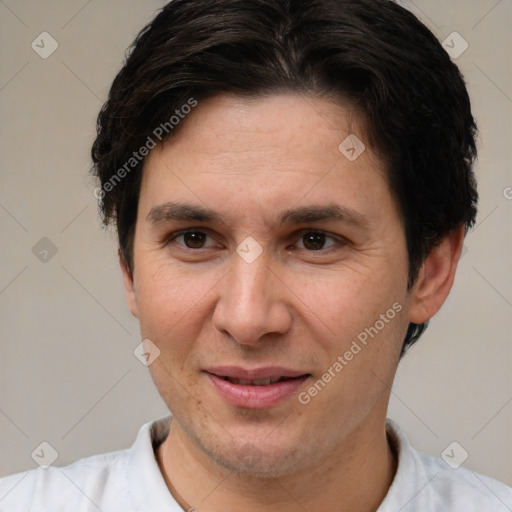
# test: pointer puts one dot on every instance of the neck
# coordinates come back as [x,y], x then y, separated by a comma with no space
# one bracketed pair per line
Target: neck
[355,477]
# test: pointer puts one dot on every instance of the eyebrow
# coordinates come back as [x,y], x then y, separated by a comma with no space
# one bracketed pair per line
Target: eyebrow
[181,211]
[299,215]
[330,212]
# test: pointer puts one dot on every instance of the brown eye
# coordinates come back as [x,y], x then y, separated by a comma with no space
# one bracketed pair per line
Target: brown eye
[190,239]
[314,241]
[194,239]
[318,241]
[192,243]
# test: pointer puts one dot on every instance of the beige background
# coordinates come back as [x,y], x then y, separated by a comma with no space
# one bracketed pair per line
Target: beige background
[68,375]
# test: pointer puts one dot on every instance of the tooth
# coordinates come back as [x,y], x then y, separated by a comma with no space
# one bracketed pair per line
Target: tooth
[254,382]
[261,382]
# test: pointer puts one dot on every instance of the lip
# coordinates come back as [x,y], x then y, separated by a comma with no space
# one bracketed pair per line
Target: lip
[255,397]
[266,372]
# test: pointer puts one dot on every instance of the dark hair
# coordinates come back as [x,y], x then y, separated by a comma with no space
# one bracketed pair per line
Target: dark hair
[373,52]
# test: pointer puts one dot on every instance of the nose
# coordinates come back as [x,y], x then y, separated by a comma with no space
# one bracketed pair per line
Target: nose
[252,302]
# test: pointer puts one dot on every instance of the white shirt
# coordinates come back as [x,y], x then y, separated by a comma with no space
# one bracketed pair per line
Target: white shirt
[130,480]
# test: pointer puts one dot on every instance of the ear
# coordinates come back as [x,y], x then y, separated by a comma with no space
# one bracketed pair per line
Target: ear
[129,288]
[436,277]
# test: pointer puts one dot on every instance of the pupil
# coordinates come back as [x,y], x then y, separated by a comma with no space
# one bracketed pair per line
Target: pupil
[314,241]
[194,240]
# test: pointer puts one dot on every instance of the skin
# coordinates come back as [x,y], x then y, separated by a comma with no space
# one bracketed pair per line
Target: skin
[249,160]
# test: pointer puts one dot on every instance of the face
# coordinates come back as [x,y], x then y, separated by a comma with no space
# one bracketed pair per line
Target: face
[263,251]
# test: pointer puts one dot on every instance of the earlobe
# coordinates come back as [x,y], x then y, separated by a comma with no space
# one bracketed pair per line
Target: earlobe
[129,288]
[436,277]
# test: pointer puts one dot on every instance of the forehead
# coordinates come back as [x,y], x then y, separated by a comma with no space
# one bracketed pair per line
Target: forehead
[269,152]
[269,125]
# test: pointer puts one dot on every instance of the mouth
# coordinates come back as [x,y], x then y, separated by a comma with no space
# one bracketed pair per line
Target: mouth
[260,388]
[256,382]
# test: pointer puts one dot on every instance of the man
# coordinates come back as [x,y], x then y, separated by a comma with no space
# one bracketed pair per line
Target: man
[291,183]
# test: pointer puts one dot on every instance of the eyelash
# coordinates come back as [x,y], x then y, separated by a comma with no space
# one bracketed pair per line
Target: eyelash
[339,240]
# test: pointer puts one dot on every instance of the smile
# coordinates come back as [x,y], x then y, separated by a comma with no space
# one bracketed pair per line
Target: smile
[255,382]
[255,389]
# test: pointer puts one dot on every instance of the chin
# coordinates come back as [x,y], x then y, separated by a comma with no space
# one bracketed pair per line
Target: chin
[252,461]
[256,456]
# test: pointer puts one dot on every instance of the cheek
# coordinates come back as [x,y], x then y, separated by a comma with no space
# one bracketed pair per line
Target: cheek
[345,301]
[360,367]
[173,308]
[170,302]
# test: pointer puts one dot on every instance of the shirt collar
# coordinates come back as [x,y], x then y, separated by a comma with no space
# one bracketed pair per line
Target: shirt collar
[410,489]
[146,483]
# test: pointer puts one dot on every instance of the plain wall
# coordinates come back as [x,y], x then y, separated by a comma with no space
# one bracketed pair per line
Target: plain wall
[67,370]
